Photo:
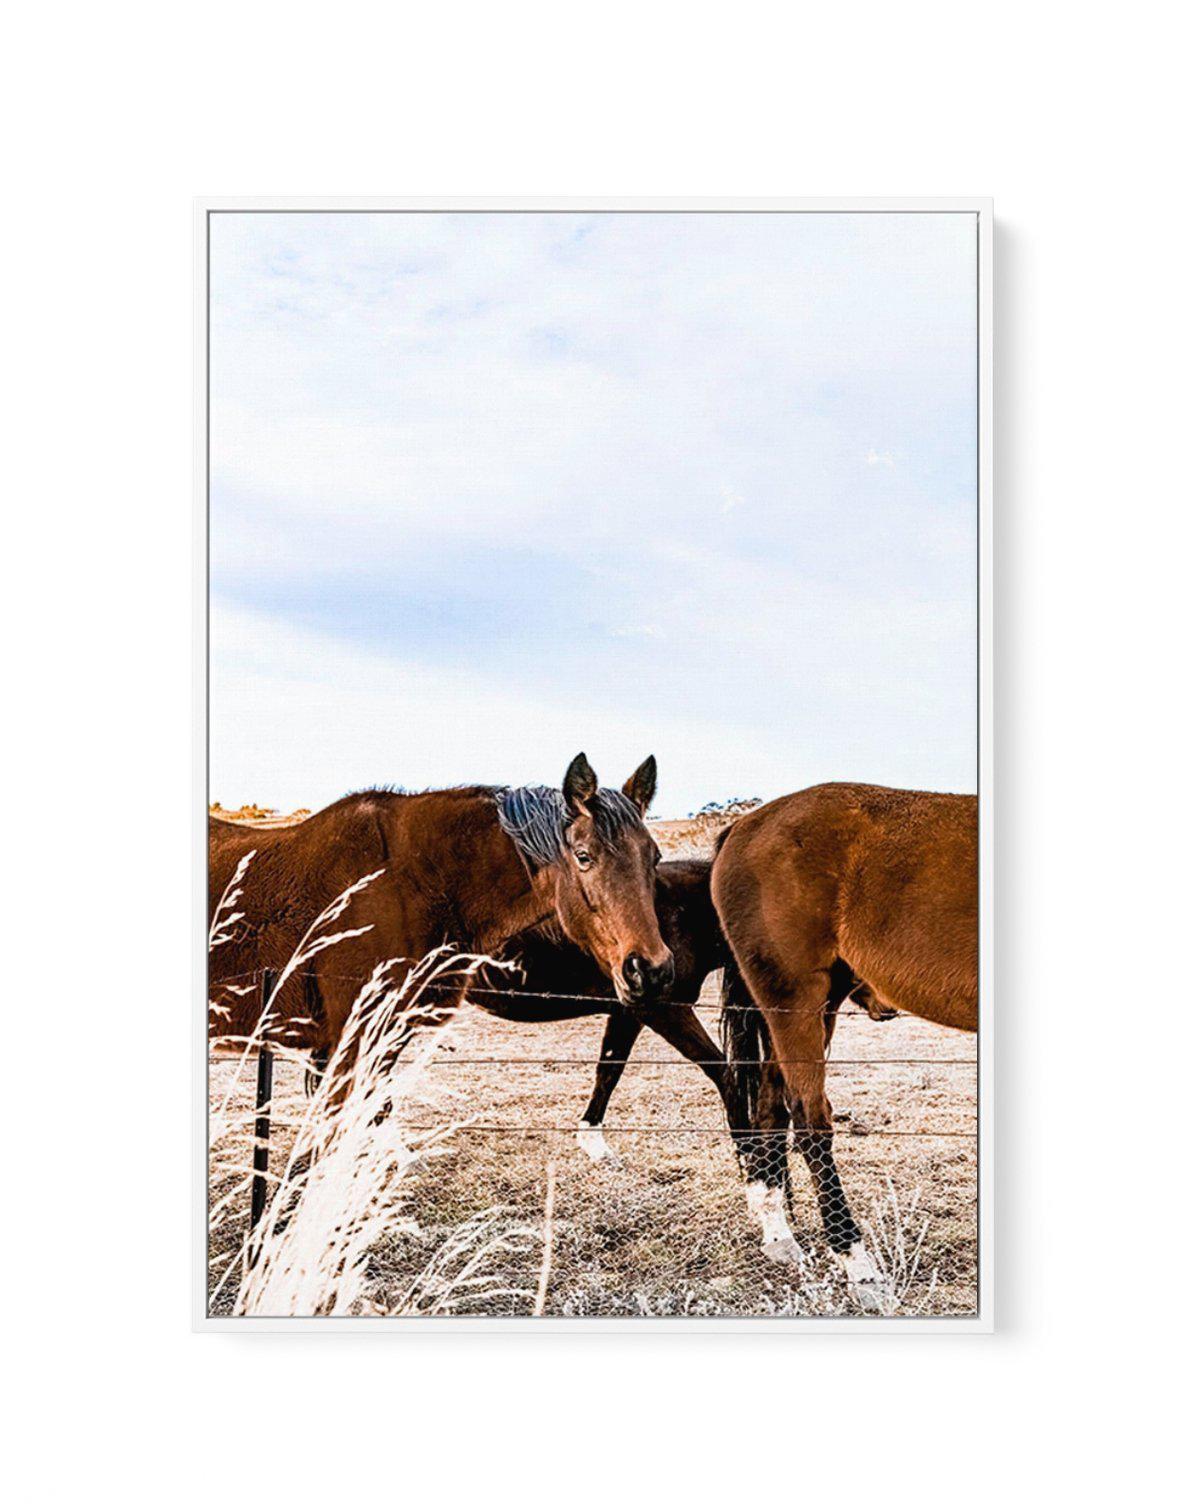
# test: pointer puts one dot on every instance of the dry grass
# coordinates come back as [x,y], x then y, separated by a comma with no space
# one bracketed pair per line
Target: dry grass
[667,1231]
[343,1181]
[342,1185]
[668,1228]
[482,1108]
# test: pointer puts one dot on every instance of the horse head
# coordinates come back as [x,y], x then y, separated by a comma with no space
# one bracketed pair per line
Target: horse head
[594,843]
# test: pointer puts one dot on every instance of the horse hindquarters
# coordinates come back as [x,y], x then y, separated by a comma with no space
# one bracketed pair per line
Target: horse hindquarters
[781,930]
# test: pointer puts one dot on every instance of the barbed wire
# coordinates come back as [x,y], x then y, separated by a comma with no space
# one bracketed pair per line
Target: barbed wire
[594,1258]
[606,1004]
[706,1129]
[601,1060]
[658,1060]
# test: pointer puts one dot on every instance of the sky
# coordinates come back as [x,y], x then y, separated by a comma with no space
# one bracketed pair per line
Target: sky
[490,489]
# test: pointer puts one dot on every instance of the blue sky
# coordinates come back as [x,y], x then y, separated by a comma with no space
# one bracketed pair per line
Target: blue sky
[489,489]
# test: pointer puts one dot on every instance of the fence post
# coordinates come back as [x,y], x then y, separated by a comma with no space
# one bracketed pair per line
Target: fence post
[262,1122]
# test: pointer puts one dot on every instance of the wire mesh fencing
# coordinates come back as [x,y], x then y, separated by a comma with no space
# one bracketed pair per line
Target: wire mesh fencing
[501,1211]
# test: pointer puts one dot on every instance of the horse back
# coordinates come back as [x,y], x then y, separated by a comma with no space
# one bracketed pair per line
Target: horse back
[884,879]
[909,904]
[295,872]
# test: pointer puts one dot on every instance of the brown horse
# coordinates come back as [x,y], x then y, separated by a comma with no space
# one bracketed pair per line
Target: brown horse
[572,983]
[470,867]
[842,890]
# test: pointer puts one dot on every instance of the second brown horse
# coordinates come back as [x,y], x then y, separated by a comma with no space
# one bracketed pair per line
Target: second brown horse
[843,890]
[558,981]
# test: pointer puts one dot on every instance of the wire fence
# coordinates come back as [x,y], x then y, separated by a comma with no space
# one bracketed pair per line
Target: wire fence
[652,1215]
[246,981]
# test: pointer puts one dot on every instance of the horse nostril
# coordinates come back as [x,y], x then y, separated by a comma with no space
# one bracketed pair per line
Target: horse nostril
[635,971]
[659,978]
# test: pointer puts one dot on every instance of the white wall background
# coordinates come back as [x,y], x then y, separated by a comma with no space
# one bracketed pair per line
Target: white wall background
[1074,118]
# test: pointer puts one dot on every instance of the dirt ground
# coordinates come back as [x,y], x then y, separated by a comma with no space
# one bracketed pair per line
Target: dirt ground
[665,1231]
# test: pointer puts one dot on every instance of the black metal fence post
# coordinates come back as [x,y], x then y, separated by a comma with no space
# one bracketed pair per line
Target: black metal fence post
[262,1123]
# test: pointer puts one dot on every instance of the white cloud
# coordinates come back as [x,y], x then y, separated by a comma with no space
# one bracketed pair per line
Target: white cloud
[632,449]
[300,718]
[465,374]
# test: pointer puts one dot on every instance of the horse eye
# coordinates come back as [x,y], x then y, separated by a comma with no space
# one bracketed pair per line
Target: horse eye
[583,858]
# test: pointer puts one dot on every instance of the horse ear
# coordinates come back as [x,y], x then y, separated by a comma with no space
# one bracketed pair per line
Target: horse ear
[579,785]
[640,787]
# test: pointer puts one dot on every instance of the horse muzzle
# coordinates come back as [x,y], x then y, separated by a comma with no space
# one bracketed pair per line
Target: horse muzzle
[644,981]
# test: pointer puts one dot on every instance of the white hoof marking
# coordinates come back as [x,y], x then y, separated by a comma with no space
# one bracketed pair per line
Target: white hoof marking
[779,1243]
[866,1283]
[786,1252]
[593,1143]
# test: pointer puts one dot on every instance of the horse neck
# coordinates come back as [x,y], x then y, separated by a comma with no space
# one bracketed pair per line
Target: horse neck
[495,895]
[692,920]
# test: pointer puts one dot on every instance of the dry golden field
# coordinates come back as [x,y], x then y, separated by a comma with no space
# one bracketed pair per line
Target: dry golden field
[663,1231]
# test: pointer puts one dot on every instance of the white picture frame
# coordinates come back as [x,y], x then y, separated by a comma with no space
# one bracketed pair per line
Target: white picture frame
[983,1322]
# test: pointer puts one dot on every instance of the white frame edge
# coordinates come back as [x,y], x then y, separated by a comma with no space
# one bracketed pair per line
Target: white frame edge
[984,1321]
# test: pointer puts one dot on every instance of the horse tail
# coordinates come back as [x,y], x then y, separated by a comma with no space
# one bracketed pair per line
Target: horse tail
[743,1032]
[745,1046]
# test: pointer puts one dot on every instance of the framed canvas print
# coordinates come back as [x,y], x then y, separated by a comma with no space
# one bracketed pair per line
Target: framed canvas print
[593,750]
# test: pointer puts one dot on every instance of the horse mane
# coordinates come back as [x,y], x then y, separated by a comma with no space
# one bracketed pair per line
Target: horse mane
[535,819]
[395,790]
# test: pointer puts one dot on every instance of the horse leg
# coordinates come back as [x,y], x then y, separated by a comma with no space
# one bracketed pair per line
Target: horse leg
[764,1154]
[620,1033]
[684,1032]
[318,1064]
[759,1117]
[762,1150]
[799,1026]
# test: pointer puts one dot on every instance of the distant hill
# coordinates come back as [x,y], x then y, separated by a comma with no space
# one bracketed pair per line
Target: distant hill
[679,838]
[256,815]
[694,836]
